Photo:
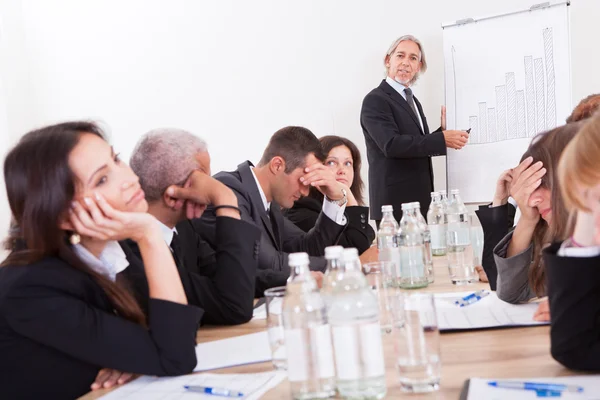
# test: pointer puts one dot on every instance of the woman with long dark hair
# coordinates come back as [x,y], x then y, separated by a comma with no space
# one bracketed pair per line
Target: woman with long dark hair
[64,314]
[534,186]
[343,157]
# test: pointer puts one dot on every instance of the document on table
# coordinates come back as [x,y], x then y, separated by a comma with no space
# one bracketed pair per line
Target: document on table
[479,388]
[239,350]
[260,312]
[489,312]
[253,386]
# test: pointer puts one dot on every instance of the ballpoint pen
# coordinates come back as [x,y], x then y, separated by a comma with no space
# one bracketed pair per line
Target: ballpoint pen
[537,386]
[474,299]
[214,391]
[470,296]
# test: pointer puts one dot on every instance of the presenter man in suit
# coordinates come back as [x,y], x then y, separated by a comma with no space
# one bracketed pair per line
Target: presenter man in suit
[399,144]
[290,165]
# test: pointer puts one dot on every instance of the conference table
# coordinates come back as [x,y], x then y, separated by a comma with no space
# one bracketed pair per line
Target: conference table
[498,353]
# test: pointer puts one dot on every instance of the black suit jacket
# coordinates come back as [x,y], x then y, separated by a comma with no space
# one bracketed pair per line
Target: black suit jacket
[358,233]
[220,282]
[398,150]
[279,235]
[58,329]
[574,295]
[496,223]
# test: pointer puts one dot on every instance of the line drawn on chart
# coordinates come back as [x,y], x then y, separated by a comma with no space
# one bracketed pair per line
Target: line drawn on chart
[518,113]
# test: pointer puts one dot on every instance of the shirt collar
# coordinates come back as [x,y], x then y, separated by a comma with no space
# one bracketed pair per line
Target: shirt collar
[166,232]
[266,204]
[112,259]
[398,87]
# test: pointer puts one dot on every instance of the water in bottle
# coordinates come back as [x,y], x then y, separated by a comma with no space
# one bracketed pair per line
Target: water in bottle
[356,333]
[459,249]
[436,219]
[386,238]
[333,255]
[307,333]
[411,243]
[416,211]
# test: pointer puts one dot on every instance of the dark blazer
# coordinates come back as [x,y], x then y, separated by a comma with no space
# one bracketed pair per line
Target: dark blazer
[225,288]
[358,233]
[574,295]
[279,235]
[399,152]
[58,329]
[496,223]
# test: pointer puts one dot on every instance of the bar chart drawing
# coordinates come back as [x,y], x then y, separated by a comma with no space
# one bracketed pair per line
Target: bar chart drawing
[508,78]
[519,113]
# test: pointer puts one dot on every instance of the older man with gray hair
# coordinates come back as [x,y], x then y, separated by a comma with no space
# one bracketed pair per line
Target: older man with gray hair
[399,144]
[174,171]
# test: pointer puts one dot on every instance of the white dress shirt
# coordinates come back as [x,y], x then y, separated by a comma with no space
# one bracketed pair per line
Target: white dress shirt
[400,89]
[333,211]
[167,233]
[567,251]
[112,259]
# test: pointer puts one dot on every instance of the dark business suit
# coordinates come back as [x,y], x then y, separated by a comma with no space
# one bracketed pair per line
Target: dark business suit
[279,235]
[496,223]
[574,295]
[58,329]
[398,150]
[358,233]
[221,282]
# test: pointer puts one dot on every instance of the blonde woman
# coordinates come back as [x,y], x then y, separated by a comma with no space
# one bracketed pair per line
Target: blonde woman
[573,266]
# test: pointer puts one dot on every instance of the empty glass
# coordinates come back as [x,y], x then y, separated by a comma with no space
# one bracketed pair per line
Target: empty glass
[416,342]
[381,276]
[460,258]
[274,301]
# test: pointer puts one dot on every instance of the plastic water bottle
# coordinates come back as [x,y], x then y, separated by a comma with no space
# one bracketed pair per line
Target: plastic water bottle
[458,236]
[333,255]
[412,250]
[356,333]
[477,240]
[307,333]
[416,211]
[436,219]
[386,238]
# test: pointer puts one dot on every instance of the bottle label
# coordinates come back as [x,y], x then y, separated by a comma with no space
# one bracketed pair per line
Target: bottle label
[438,236]
[309,353]
[358,351]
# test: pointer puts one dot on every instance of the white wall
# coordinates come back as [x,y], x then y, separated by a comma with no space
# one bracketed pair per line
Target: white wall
[236,71]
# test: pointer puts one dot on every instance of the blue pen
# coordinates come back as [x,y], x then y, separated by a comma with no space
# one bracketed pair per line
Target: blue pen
[214,391]
[470,296]
[462,303]
[538,387]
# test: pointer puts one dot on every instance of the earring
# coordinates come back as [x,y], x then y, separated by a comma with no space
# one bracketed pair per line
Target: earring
[75,238]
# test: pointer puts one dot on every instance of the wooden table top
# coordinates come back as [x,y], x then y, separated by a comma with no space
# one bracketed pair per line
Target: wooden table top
[500,353]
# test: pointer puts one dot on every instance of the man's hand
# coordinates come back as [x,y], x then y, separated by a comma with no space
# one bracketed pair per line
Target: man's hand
[323,178]
[456,139]
[482,275]
[318,277]
[108,378]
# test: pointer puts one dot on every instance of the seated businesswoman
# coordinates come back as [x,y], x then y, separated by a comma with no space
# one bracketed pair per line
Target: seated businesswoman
[497,219]
[534,186]
[63,314]
[573,266]
[343,157]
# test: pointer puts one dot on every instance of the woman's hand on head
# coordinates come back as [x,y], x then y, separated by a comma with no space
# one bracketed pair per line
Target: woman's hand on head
[95,218]
[526,178]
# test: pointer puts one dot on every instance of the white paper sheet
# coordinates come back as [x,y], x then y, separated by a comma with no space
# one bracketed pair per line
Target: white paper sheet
[479,389]
[260,312]
[489,312]
[253,386]
[239,350]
